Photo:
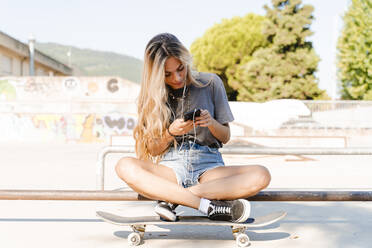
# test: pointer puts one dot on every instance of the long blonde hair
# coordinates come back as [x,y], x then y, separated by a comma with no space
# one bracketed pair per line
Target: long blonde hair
[153,112]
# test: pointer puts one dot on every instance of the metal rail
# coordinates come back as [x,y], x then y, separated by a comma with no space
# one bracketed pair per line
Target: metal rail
[100,173]
[110,195]
[296,151]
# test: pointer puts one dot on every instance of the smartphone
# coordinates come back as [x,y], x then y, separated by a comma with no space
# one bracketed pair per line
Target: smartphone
[191,114]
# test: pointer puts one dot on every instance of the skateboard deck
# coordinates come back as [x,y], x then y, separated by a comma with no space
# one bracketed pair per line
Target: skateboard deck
[138,224]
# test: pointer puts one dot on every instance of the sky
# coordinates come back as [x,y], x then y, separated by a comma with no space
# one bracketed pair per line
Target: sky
[125,26]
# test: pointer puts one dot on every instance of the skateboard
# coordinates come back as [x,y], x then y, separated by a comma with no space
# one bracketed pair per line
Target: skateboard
[138,224]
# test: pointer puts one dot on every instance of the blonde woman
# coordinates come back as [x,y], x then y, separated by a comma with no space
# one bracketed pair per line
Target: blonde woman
[178,161]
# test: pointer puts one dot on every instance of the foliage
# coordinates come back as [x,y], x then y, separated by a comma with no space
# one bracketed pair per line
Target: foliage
[355,52]
[7,90]
[226,45]
[285,68]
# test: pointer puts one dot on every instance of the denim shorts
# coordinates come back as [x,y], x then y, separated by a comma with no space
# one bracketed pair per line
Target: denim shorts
[190,160]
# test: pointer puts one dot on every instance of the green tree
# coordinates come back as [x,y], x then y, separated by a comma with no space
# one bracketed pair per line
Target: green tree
[285,68]
[226,45]
[355,52]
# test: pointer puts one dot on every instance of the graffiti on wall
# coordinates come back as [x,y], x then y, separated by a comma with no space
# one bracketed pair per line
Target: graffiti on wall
[63,88]
[118,124]
[76,109]
[7,90]
[38,87]
[71,85]
[92,88]
[53,127]
[112,85]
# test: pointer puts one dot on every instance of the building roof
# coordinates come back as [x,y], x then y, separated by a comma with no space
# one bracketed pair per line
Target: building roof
[22,49]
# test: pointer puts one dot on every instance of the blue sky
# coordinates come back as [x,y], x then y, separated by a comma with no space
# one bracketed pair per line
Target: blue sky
[125,26]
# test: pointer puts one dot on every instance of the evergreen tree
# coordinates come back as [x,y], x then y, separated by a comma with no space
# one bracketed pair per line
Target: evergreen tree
[284,69]
[355,52]
[226,45]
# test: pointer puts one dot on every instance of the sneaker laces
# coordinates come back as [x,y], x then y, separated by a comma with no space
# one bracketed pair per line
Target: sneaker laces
[220,210]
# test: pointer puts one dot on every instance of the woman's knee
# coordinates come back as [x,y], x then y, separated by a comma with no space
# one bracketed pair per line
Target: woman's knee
[127,169]
[264,176]
[261,177]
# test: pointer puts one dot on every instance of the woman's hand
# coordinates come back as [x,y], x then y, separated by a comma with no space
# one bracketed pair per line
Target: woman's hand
[218,130]
[205,119]
[180,127]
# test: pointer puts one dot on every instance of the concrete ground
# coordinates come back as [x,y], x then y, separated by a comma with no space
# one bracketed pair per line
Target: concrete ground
[74,224]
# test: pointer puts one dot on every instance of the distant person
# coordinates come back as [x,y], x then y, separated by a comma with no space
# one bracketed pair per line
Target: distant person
[178,161]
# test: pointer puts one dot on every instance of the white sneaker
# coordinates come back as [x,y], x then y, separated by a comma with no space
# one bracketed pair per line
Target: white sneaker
[166,211]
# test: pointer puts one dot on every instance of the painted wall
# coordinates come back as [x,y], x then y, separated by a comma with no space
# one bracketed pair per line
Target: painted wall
[66,109]
[103,109]
[67,89]
[79,128]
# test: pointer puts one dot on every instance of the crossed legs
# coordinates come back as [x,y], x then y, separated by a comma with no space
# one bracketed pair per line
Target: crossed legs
[159,182]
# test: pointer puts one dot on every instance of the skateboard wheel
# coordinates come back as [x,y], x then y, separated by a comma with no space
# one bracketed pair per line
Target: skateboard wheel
[134,239]
[242,240]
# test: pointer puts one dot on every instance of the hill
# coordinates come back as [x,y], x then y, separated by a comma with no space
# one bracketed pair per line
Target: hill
[88,62]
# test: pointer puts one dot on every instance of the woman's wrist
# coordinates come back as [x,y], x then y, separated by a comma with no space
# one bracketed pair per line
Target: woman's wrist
[214,125]
[170,133]
[171,136]
[220,131]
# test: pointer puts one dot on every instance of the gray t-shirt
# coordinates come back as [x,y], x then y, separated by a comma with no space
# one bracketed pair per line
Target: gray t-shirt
[211,97]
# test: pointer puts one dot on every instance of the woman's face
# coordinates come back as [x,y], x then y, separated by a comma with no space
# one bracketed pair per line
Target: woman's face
[175,73]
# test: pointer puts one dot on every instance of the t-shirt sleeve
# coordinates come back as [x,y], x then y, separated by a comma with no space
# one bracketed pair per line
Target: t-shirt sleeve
[222,111]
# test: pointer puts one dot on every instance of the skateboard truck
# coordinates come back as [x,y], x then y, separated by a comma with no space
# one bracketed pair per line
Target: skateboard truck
[242,239]
[137,235]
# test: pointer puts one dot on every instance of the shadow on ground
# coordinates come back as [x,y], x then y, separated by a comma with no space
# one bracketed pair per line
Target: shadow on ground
[203,233]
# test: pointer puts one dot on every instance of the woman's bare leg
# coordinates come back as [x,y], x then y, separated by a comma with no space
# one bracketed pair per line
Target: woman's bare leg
[222,183]
[232,182]
[157,182]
